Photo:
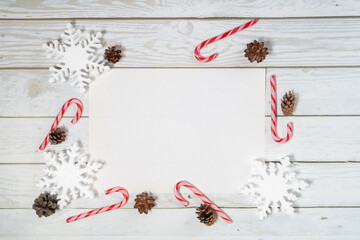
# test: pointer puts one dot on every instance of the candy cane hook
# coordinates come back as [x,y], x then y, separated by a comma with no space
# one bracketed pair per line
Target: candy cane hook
[201,196]
[103,209]
[273,116]
[60,115]
[218,37]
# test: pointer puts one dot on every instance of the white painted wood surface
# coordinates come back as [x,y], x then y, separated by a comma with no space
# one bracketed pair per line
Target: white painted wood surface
[11,9]
[164,43]
[309,223]
[314,50]
[17,132]
[327,181]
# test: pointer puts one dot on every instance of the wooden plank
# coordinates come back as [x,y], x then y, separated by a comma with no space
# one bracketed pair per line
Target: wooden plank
[21,137]
[315,138]
[177,9]
[314,223]
[320,91]
[29,93]
[331,184]
[319,139]
[170,43]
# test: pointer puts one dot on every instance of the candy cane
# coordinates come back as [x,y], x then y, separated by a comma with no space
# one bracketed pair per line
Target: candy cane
[103,209]
[221,36]
[60,115]
[273,116]
[201,196]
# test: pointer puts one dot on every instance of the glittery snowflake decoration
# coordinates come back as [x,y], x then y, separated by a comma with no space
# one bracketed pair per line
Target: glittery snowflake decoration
[69,174]
[273,187]
[77,57]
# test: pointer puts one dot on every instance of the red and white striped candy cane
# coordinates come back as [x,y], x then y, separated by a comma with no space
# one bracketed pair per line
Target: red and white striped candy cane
[273,115]
[201,196]
[103,209]
[221,36]
[60,115]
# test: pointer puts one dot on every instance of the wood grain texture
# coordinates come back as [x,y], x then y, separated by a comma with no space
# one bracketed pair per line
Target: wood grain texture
[21,138]
[319,91]
[319,139]
[314,223]
[331,184]
[29,93]
[28,9]
[314,50]
[165,43]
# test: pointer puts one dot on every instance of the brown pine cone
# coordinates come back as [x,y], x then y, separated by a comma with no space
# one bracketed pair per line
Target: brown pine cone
[255,51]
[56,136]
[144,202]
[112,54]
[205,214]
[288,103]
[45,205]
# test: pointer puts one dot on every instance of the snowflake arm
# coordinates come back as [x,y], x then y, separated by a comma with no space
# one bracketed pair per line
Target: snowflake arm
[54,49]
[97,65]
[81,80]
[59,73]
[92,42]
[71,36]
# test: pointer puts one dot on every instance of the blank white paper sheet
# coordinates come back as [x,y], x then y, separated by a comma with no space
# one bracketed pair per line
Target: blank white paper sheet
[155,127]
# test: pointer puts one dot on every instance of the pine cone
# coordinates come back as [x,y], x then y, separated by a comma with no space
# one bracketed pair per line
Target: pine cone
[56,136]
[205,214]
[288,103]
[112,55]
[45,205]
[255,51]
[144,202]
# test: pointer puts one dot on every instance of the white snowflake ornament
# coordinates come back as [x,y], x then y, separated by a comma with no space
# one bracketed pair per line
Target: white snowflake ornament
[273,186]
[69,174]
[77,59]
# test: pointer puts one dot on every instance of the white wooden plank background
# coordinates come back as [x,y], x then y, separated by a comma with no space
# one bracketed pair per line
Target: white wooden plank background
[176,9]
[165,43]
[314,50]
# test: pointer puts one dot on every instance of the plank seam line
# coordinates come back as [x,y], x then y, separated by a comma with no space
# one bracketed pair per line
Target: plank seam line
[187,67]
[294,162]
[266,115]
[194,207]
[178,18]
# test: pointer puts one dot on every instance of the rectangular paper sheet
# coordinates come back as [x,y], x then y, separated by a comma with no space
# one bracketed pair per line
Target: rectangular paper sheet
[155,127]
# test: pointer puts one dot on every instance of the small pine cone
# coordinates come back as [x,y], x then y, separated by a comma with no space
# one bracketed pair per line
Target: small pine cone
[112,54]
[56,136]
[288,103]
[255,51]
[45,205]
[144,202]
[205,214]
